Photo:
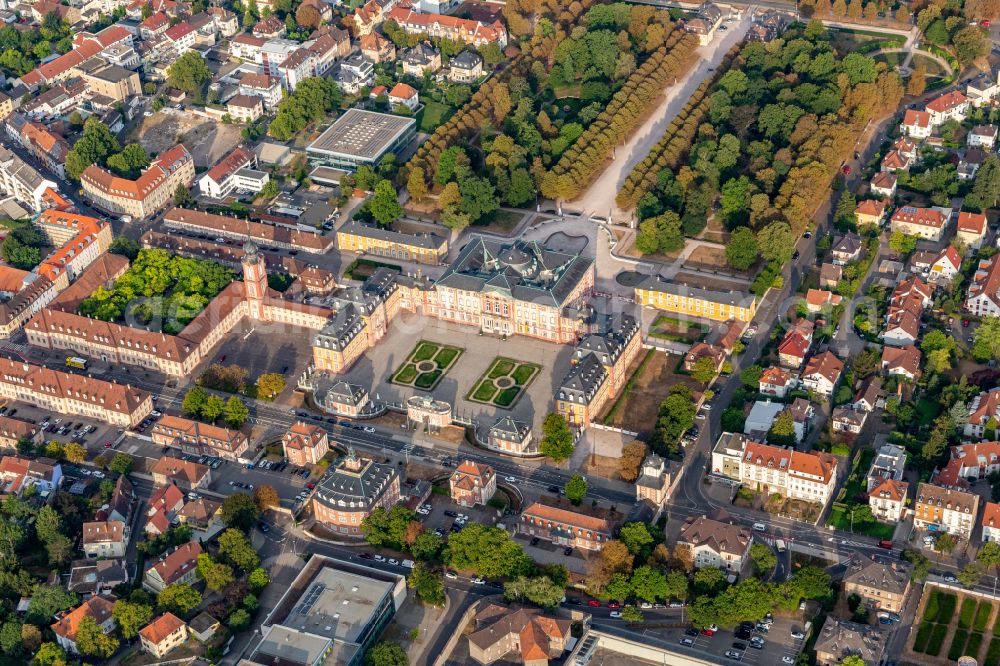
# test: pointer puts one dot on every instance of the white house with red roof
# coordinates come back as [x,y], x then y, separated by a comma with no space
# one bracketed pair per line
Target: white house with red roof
[156,24]
[223,178]
[916,124]
[178,566]
[404,95]
[969,461]
[883,184]
[991,522]
[983,296]
[105,538]
[822,373]
[182,37]
[984,407]
[776,381]
[67,624]
[247,47]
[945,266]
[926,223]
[888,500]
[819,299]
[949,106]
[901,361]
[971,229]
[808,476]
[793,348]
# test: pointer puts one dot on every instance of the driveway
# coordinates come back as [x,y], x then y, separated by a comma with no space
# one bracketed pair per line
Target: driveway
[599,197]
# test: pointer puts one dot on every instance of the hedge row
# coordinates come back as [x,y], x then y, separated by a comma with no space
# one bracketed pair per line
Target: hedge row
[982,615]
[967,614]
[586,158]
[946,604]
[937,639]
[973,646]
[923,635]
[675,143]
[996,626]
[957,648]
[933,607]
[993,653]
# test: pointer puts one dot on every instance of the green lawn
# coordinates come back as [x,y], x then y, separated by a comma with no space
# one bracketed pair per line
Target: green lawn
[524,373]
[432,115]
[488,391]
[506,397]
[427,379]
[406,374]
[443,357]
[975,642]
[484,392]
[425,351]
[446,357]
[841,520]
[501,368]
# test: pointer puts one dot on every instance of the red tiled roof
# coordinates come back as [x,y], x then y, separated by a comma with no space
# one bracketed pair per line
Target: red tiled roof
[890,489]
[826,365]
[946,102]
[905,358]
[927,217]
[402,91]
[99,608]
[972,223]
[178,562]
[914,118]
[161,628]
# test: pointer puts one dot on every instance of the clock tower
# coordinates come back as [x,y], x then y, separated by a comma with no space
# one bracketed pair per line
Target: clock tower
[254,280]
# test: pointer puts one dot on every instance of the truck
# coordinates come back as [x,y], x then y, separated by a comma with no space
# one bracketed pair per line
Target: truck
[76,362]
[780,545]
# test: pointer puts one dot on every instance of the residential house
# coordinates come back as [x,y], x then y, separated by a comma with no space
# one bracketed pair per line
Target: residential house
[713,543]
[794,347]
[354,73]
[951,105]
[201,514]
[178,566]
[969,461]
[982,136]
[839,639]
[883,184]
[95,577]
[819,300]
[894,161]
[945,267]
[245,108]
[847,249]
[268,88]
[811,476]
[802,413]
[887,499]
[901,361]
[882,586]
[971,229]
[517,635]
[870,212]
[185,474]
[830,276]
[845,418]
[181,37]
[776,381]
[983,296]
[68,623]
[420,59]
[700,350]
[970,162]
[822,373]
[948,510]
[305,444]
[466,67]
[916,124]
[269,27]
[991,522]
[106,538]
[472,483]
[565,525]
[17,473]
[377,48]
[163,634]
[982,91]
[927,223]
[404,95]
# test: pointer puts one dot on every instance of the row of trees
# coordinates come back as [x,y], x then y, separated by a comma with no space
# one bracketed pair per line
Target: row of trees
[208,407]
[579,165]
[673,146]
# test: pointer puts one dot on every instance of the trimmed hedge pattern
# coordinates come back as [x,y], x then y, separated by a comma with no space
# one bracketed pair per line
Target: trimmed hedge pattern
[923,635]
[933,606]
[937,639]
[958,641]
[947,605]
[974,645]
[982,615]
[967,614]
[993,653]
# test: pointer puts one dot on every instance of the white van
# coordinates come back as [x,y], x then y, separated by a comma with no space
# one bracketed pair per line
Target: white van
[408,564]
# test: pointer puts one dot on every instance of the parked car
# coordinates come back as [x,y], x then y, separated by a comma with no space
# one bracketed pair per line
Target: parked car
[733,654]
[759,527]
[691,631]
[797,634]
[616,614]
[687,642]
[594,603]
[450,574]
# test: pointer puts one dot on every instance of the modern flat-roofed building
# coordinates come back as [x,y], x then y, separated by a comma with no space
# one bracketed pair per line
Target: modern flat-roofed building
[361,137]
[331,614]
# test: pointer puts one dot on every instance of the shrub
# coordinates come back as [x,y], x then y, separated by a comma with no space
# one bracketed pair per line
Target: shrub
[923,635]
[947,605]
[937,639]
[933,605]
[967,613]
[974,644]
[982,615]
[957,648]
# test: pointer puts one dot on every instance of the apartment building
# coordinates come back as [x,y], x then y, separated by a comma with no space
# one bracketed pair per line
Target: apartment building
[149,193]
[983,296]
[926,223]
[109,80]
[971,229]
[105,538]
[657,292]
[938,509]
[21,181]
[970,461]
[887,499]
[822,373]
[68,623]
[268,88]
[465,31]
[231,228]
[991,522]
[809,476]
[952,105]
[196,438]
[220,181]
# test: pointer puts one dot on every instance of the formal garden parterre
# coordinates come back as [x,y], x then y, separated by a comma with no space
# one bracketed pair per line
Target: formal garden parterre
[426,365]
[503,382]
[954,625]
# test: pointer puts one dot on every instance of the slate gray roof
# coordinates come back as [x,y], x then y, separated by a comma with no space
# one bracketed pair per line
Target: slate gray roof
[661,284]
[849,244]
[340,329]
[465,60]
[346,393]
[878,575]
[583,380]
[608,344]
[345,489]
[509,429]
[521,270]
[357,228]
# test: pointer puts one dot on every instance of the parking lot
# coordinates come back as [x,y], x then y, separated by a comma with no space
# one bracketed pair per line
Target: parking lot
[95,436]
[778,647]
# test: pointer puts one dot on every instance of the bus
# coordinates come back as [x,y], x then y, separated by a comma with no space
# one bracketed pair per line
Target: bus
[76,362]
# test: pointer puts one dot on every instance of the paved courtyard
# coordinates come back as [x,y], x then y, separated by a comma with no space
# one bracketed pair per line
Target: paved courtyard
[376,367]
